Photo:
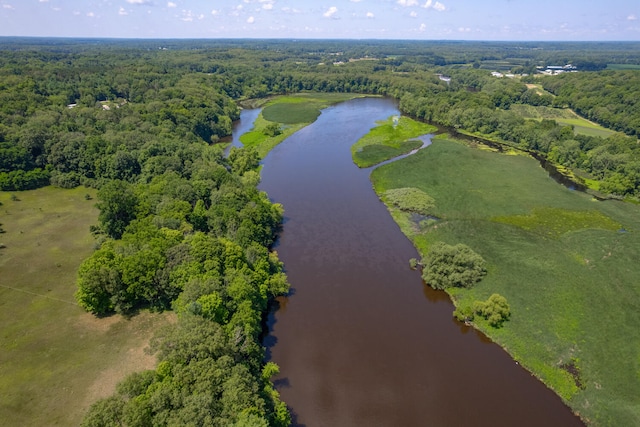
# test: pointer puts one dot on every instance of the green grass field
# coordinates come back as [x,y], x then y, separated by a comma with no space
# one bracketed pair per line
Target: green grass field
[567,264]
[55,359]
[293,112]
[563,117]
[389,139]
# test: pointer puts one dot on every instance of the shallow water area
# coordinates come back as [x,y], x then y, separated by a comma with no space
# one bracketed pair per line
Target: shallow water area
[361,340]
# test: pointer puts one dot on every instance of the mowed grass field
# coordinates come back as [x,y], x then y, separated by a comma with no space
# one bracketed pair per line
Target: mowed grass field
[563,117]
[567,264]
[55,359]
[292,112]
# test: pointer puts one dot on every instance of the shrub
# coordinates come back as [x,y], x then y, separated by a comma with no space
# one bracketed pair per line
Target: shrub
[496,310]
[464,313]
[411,200]
[447,266]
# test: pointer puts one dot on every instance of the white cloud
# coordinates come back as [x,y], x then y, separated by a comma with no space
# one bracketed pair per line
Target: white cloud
[267,6]
[423,27]
[215,12]
[632,18]
[251,20]
[464,30]
[140,2]
[171,4]
[187,16]
[430,4]
[330,12]
[43,1]
[407,3]
[370,15]
[413,14]
[122,11]
[91,14]
[8,6]
[357,1]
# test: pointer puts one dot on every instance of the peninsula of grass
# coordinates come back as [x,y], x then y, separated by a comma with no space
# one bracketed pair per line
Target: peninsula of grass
[56,359]
[291,113]
[566,263]
[391,138]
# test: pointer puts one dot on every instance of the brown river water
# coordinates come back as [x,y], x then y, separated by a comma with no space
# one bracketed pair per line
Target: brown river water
[361,341]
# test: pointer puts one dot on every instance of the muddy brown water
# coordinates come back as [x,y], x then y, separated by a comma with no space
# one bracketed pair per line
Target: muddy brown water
[361,341]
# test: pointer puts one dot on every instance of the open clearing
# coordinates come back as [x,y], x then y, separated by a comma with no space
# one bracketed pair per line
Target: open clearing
[567,264]
[55,359]
[563,117]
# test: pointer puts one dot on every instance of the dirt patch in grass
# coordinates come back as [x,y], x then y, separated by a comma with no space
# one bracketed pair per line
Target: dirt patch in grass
[573,370]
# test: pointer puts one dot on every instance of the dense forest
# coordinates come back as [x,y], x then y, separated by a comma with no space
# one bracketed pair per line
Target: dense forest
[183,227]
[130,101]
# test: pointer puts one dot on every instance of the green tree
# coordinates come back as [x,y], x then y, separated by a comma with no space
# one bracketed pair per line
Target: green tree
[448,266]
[117,207]
[495,309]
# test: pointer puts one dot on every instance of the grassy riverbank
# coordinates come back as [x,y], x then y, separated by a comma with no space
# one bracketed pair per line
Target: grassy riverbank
[389,139]
[56,359]
[566,263]
[291,113]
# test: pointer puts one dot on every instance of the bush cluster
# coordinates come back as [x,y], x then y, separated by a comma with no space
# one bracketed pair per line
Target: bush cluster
[447,266]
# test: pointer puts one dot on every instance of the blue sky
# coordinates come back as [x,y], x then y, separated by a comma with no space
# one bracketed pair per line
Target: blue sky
[354,19]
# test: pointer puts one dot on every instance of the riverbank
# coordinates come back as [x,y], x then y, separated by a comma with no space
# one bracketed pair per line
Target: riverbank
[555,254]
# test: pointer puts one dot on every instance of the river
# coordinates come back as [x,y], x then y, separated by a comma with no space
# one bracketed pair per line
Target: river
[361,341]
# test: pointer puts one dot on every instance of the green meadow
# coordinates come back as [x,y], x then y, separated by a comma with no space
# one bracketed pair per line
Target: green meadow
[566,263]
[56,359]
[563,117]
[391,138]
[292,113]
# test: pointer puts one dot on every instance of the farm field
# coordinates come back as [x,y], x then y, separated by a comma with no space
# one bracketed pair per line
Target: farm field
[56,359]
[565,263]
[563,117]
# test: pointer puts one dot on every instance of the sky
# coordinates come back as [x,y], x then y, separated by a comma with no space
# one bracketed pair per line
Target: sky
[517,20]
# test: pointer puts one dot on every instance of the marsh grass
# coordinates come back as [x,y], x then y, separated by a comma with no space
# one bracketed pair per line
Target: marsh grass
[55,359]
[567,264]
[373,154]
[388,139]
